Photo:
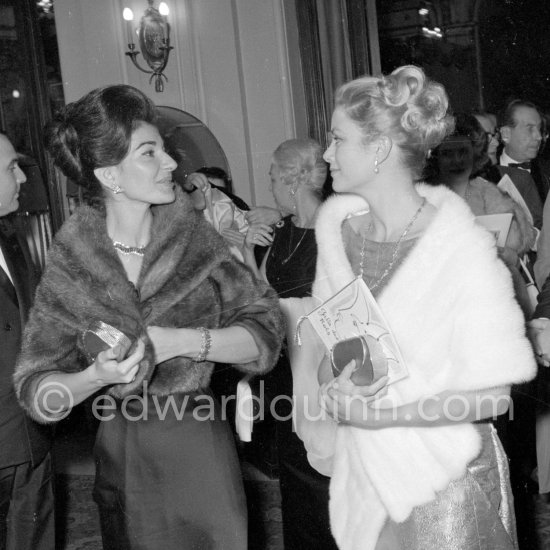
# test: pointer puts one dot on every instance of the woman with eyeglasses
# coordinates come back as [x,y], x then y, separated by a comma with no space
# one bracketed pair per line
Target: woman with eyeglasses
[488,122]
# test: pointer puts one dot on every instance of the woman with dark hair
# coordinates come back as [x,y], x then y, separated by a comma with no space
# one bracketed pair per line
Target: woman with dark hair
[420,467]
[488,123]
[137,266]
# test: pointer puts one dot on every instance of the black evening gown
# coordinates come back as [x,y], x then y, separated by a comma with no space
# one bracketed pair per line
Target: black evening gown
[290,269]
[165,497]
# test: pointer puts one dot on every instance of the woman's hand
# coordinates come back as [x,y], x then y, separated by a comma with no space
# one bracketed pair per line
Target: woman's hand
[348,403]
[258,235]
[508,255]
[234,237]
[106,370]
[538,331]
[263,214]
[200,181]
[324,373]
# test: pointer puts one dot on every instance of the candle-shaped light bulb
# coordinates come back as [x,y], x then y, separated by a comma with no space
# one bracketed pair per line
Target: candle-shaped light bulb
[128,16]
[164,11]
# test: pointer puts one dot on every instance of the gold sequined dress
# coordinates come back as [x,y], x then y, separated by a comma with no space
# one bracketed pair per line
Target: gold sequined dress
[475,512]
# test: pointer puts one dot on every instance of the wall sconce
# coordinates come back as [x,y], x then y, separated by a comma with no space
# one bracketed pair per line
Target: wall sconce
[154,40]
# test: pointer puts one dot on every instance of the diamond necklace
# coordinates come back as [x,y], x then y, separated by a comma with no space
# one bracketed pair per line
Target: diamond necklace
[127,250]
[389,267]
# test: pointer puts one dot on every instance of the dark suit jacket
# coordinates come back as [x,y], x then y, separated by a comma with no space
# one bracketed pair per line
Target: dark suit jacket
[540,171]
[21,439]
[526,186]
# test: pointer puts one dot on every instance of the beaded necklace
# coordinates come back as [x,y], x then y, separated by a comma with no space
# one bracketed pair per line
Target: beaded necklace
[389,267]
[127,250]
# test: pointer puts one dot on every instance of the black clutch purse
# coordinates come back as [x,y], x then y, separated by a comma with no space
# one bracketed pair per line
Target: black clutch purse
[370,362]
[100,336]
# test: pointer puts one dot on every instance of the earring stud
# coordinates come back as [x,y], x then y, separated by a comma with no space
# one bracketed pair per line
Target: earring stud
[116,189]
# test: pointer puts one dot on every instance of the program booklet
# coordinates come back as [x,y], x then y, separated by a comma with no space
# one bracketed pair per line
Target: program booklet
[498,225]
[353,311]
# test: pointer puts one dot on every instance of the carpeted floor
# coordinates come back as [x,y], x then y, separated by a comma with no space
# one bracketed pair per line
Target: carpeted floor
[78,522]
[542,522]
[77,517]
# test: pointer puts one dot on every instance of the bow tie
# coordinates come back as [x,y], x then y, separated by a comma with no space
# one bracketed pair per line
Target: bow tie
[524,165]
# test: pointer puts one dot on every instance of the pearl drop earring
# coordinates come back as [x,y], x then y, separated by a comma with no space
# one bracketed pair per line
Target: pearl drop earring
[376,169]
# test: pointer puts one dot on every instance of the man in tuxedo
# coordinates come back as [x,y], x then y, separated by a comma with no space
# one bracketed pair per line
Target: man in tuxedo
[26,492]
[522,130]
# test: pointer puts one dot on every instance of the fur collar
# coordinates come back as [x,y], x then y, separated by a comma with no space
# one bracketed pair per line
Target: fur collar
[452,212]
[452,310]
[188,279]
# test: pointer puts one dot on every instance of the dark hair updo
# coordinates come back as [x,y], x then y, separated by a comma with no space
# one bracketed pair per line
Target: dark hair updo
[95,131]
[405,106]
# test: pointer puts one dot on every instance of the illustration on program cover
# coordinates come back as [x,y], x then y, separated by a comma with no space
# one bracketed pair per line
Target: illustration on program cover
[353,311]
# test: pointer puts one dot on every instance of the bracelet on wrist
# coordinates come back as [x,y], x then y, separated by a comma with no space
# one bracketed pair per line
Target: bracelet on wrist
[206,342]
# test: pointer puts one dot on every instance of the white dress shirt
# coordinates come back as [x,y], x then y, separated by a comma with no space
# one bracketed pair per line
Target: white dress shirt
[4,265]
[506,160]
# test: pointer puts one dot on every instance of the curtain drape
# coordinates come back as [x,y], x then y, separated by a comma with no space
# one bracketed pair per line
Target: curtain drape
[334,48]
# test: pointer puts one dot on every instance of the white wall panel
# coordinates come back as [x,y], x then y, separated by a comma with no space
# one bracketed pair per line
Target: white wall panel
[229,68]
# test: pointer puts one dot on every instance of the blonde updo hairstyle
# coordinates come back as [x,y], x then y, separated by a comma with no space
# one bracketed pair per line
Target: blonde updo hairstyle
[405,106]
[300,162]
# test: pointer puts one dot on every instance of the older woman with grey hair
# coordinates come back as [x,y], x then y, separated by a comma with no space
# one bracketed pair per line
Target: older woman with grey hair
[297,175]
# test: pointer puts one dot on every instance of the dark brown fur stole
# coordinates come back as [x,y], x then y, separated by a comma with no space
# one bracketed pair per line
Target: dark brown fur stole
[188,279]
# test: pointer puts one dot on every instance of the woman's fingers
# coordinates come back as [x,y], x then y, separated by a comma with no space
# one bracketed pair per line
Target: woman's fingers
[259,235]
[198,180]
[134,358]
[345,385]
[375,388]
[263,214]
[130,376]
[326,401]
[120,371]
[348,370]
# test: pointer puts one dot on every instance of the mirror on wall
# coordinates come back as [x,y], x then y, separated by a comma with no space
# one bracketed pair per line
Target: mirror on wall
[190,141]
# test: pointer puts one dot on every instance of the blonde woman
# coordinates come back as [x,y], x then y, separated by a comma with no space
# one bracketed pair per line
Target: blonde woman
[422,467]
